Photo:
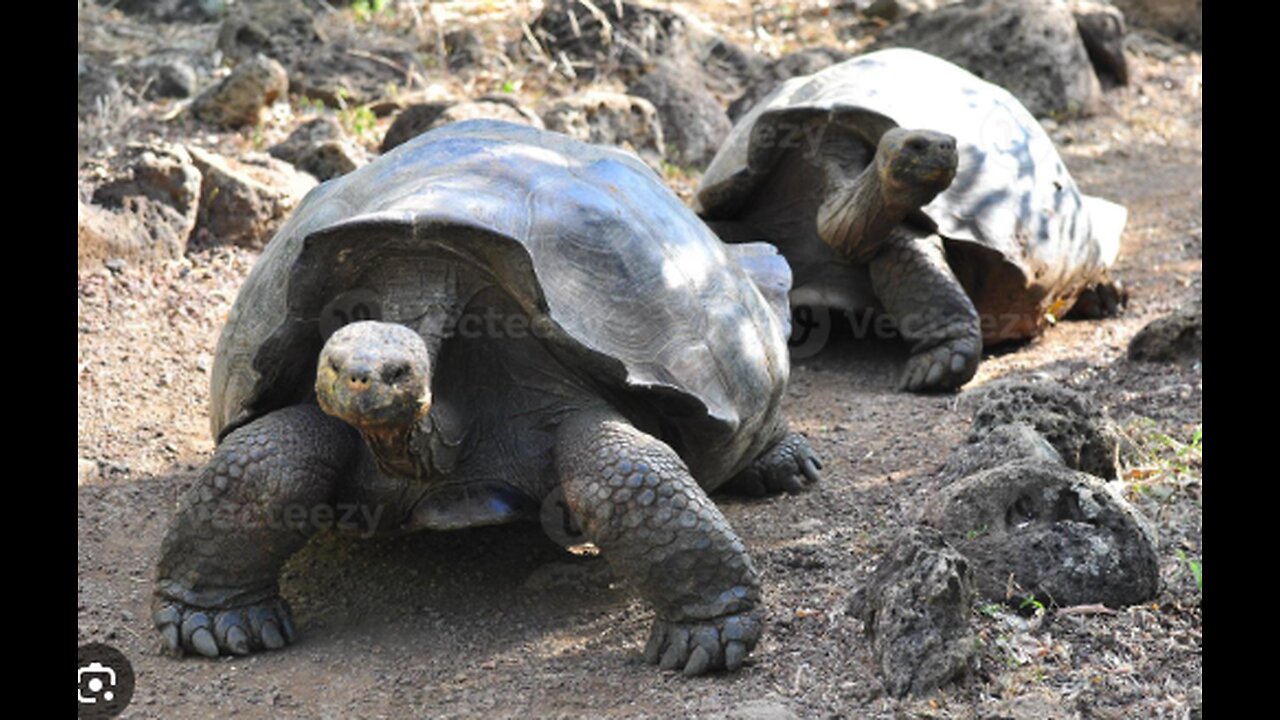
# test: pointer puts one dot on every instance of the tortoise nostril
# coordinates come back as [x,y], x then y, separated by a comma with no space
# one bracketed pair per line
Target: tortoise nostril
[358,378]
[395,373]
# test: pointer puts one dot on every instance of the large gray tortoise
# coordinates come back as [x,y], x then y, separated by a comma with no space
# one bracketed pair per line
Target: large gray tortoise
[487,317]
[901,182]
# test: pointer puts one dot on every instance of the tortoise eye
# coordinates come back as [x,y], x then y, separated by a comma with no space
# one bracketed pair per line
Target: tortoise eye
[395,373]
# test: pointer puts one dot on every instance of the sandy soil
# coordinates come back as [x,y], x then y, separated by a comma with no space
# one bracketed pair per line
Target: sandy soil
[501,622]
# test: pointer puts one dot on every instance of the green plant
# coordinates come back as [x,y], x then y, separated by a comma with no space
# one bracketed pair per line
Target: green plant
[1032,605]
[360,120]
[990,609]
[357,119]
[365,10]
[311,104]
[976,533]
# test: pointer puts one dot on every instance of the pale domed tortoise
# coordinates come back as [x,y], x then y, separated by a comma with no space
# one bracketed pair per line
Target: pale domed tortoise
[898,181]
[541,316]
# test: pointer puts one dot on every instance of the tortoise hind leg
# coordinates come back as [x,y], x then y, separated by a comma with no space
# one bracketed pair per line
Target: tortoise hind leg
[216,580]
[1106,298]
[911,278]
[790,465]
[634,499]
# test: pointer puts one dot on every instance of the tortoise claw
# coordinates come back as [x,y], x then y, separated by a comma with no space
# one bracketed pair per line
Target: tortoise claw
[943,367]
[188,630]
[700,647]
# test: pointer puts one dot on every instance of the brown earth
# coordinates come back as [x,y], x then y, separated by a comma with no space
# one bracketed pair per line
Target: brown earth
[501,622]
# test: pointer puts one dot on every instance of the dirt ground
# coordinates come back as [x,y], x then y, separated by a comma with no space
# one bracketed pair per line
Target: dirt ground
[501,622]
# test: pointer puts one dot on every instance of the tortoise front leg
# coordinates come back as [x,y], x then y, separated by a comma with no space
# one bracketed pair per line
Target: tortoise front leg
[911,278]
[635,499]
[253,507]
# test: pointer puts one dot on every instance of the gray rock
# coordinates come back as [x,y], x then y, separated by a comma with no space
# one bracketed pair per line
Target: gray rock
[166,76]
[145,211]
[801,62]
[1102,29]
[1182,20]
[610,118]
[244,201]
[694,124]
[893,10]
[464,49]
[1030,47]
[417,119]
[728,68]
[916,612]
[279,30]
[242,96]
[1036,529]
[102,235]
[1070,421]
[343,77]
[1004,443]
[626,39]
[333,72]
[411,122]
[321,148]
[1176,337]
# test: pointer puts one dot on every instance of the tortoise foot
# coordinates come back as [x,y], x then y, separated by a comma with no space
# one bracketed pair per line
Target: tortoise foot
[189,630]
[943,367]
[699,647]
[790,466]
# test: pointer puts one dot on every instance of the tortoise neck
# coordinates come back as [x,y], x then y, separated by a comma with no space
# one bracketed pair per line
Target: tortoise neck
[392,450]
[858,213]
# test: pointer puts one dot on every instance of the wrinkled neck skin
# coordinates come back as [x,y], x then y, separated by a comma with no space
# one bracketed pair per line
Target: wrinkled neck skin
[859,213]
[392,449]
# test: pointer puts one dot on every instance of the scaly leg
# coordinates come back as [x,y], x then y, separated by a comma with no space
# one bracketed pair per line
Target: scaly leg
[251,509]
[634,498]
[911,278]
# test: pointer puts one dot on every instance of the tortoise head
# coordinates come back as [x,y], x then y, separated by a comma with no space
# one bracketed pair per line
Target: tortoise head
[916,165]
[375,376]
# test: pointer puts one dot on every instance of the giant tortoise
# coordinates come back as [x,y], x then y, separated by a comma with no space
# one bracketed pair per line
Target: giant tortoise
[898,181]
[486,317]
